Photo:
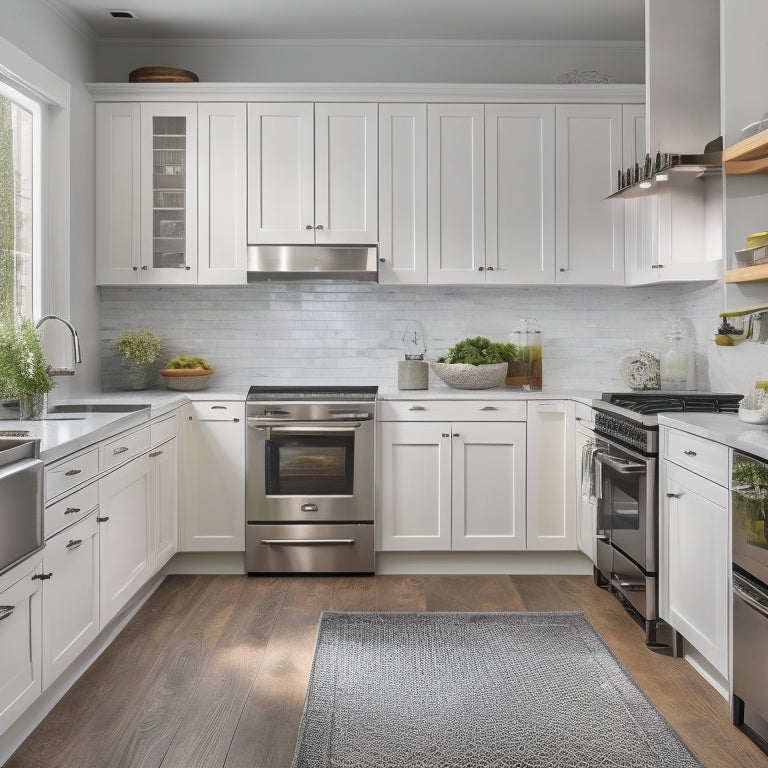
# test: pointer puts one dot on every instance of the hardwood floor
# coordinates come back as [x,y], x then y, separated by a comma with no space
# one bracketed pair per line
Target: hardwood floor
[212,671]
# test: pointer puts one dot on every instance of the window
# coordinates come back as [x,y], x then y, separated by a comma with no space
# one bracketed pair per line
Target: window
[19,205]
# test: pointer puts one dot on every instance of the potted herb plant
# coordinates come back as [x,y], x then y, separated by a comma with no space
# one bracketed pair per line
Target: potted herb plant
[186,372]
[23,368]
[475,363]
[139,350]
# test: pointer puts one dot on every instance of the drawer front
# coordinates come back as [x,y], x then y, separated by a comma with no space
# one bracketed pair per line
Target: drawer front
[125,447]
[162,431]
[340,548]
[65,475]
[702,456]
[206,410]
[454,410]
[77,505]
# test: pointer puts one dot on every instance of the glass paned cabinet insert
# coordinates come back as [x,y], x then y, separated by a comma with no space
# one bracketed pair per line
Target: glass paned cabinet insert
[169,204]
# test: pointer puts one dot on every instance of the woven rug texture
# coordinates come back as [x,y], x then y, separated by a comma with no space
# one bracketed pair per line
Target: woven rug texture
[476,690]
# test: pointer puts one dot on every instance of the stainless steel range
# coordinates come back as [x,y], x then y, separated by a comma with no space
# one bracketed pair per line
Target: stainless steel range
[626,425]
[309,489]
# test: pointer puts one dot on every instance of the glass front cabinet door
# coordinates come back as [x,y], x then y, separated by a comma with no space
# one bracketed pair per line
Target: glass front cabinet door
[168,193]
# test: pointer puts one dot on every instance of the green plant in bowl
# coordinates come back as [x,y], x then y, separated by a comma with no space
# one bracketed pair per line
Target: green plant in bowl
[480,351]
[139,345]
[187,362]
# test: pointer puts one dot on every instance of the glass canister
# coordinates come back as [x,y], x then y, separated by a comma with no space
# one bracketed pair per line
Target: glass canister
[673,361]
[525,372]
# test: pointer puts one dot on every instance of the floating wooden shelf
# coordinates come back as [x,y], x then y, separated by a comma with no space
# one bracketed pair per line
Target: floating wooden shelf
[747,274]
[748,156]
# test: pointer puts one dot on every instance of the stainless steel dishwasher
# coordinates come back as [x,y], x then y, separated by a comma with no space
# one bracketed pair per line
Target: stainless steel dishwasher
[21,500]
[749,514]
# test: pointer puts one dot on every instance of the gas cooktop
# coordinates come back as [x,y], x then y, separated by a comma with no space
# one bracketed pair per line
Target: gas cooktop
[663,402]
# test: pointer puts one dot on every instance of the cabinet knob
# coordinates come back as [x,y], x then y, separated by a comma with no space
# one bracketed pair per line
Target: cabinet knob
[319,226]
[187,267]
[689,453]
[489,269]
[382,259]
[135,269]
[562,269]
[445,434]
[145,267]
[480,269]
[456,434]
[309,226]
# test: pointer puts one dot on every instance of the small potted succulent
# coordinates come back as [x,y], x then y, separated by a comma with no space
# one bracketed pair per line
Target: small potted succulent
[24,372]
[186,372]
[139,351]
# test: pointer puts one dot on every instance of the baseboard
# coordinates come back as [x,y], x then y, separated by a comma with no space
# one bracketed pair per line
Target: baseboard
[484,563]
[205,563]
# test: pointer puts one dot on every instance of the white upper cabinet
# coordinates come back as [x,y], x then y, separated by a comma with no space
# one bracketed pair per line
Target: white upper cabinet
[312,173]
[456,200]
[403,193]
[520,193]
[589,229]
[222,189]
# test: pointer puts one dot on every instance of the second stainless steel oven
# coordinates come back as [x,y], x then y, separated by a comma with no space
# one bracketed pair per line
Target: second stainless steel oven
[310,480]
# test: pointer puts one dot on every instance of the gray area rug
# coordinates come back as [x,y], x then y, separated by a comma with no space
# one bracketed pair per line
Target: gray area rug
[472,690]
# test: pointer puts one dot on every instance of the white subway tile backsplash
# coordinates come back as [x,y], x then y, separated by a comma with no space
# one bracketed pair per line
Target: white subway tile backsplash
[350,333]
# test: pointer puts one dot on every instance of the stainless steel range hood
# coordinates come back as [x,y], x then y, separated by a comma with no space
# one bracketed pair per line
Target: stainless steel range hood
[267,263]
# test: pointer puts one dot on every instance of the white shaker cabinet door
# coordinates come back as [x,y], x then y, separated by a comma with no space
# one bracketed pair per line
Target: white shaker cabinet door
[415,483]
[456,199]
[520,193]
[165,473]
[281,173]
[118,193]
[125,499]
[222,193]
[589,229]
[488,478]
[346,174]
[403,193]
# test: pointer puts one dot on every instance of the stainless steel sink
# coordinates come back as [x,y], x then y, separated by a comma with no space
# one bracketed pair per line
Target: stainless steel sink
[66,408]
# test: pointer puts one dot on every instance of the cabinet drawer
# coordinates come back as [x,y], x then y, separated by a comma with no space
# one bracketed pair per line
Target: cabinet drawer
[125,447]
[77,505]
[454,410]
[162,431]
[64,475]
[206,410]
[702,456]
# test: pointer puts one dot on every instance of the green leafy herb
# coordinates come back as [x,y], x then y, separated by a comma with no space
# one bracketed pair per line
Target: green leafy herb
[480,351]
[188,361]
[23,369]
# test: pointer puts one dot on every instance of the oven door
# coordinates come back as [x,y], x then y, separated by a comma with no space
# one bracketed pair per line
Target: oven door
[310,471]
[627,511]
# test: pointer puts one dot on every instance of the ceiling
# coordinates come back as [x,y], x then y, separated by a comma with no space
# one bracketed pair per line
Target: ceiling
[539,20]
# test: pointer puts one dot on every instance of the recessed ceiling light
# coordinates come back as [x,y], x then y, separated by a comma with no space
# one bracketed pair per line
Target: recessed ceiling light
[121,13]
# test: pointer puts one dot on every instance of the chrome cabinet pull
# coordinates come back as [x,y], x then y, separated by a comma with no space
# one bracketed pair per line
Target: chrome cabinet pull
[674,495]
[118,451]
[6,611]
[489,408]
[237,421]
[102,519]
[417,408]
[42,576]
[74,543]
[71,472]
[689,453]
[218,407]
[155,454]
[71,510]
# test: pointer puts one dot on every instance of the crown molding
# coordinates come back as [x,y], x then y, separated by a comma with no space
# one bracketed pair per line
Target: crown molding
[377,92]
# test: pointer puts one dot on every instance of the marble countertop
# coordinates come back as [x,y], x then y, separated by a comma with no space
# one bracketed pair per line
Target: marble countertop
[497,393]
[725,428]
[61,435]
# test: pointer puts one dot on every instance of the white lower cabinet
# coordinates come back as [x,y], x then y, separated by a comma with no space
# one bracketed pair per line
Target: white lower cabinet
[70,595]
[451,484]
[20,639]
[694,568]
[551,522]
[164,521]
[125,498]
[213,491]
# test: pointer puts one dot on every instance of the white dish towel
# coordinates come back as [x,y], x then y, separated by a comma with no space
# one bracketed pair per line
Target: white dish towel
[591,477]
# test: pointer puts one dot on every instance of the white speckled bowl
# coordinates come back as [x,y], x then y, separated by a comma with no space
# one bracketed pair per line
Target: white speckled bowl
[464,376]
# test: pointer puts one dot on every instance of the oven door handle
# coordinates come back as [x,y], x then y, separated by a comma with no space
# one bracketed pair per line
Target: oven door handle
[624,467]
[755,605]
[295,542]
[307,426]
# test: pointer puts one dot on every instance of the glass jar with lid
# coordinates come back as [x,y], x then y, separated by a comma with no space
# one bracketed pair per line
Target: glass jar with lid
[526,371]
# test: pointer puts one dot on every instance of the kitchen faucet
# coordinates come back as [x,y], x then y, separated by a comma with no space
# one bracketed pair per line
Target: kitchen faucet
[75,344]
